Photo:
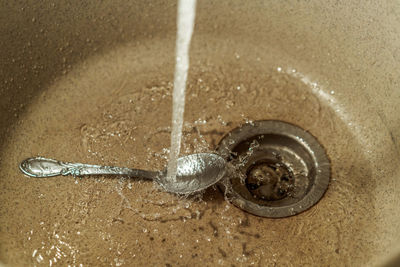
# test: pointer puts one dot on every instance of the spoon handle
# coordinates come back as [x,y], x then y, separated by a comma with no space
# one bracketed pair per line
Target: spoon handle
[42,167]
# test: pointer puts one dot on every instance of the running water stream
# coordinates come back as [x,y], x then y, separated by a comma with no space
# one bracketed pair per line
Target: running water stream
[185,23]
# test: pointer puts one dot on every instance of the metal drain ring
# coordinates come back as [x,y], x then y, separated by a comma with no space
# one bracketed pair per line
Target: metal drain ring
[281,143]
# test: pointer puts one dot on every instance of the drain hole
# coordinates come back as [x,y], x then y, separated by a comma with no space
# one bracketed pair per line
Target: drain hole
[280,169]
[269,181]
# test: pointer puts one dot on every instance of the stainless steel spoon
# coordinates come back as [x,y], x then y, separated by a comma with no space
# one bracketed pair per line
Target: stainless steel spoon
[195,172]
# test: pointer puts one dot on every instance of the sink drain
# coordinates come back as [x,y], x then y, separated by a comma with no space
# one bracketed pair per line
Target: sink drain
[279,169]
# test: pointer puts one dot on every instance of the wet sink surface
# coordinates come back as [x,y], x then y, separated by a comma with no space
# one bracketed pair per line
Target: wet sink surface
[100,93]
[109,111]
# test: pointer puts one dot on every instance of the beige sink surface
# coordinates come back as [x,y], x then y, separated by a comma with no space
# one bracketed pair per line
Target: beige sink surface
[91,82]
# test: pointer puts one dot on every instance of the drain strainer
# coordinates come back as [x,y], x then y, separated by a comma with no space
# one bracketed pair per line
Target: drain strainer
[278,169]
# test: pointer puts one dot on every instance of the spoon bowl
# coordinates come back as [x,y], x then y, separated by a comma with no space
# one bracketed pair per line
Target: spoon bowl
[195,172]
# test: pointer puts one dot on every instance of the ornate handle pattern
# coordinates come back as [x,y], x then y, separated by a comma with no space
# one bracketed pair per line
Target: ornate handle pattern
[40,167]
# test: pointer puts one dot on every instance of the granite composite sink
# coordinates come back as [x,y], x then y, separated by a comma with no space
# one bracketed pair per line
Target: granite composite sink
[91,82]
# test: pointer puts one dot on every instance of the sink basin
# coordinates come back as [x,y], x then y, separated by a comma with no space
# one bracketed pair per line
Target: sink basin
[92,82]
